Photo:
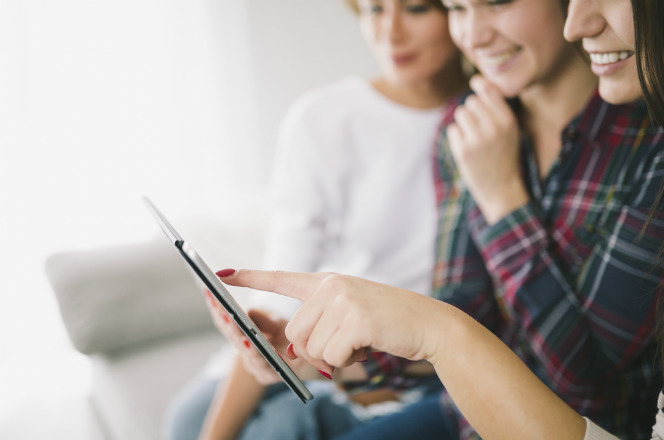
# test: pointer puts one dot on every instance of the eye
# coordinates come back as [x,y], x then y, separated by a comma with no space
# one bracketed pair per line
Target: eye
[371,7]
[498,2]
[417,8]
[451,6]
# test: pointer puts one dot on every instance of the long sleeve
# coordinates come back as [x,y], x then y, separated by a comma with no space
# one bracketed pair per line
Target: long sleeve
[571,277]
[583,287]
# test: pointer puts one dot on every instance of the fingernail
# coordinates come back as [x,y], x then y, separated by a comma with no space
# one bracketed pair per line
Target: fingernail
[326,375]
[246,343]
[290,352]
[226,318]
[225,273]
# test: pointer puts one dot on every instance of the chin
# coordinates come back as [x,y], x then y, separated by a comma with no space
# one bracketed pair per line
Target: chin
[508,90]
[616,93]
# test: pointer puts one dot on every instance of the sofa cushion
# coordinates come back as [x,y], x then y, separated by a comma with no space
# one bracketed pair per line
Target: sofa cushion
[131,388]
[111,299]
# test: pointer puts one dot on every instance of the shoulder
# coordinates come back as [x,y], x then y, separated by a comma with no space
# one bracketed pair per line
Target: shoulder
[330,97]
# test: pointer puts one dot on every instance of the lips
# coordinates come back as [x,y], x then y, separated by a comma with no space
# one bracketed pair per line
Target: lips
[403,59]
[498,58]
[609,63]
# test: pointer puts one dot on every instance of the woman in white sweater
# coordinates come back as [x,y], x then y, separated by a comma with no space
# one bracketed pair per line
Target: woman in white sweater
[340,320]
[351,192]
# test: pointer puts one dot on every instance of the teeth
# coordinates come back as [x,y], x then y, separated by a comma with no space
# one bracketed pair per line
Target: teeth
[608,57]
[499,59]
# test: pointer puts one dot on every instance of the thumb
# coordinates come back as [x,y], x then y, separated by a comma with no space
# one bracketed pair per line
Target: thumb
[265,322]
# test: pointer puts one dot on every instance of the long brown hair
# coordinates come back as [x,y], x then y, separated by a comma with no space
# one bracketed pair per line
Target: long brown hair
[649,40]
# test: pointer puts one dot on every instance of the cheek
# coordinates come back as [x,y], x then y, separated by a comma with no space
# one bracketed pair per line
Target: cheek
[456,35]
[444,45]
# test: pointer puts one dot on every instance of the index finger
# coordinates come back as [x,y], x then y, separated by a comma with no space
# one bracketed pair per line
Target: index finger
[488,92]
[293,284]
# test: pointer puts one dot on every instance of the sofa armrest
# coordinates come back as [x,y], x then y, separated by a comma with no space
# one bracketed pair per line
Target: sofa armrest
[114,298]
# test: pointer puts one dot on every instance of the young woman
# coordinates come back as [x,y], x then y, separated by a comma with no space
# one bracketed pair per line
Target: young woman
[352,157]
[501,398]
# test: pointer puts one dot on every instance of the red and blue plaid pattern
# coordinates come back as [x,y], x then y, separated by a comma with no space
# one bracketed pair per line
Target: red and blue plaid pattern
[569,280]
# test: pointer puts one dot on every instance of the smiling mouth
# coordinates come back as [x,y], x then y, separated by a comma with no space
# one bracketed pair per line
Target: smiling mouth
[609,57]
[497,60]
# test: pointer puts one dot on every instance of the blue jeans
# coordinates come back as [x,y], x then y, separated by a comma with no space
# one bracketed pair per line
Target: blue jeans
[282,416]
[420,420]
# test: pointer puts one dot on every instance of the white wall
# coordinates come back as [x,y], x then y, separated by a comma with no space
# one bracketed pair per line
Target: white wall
[104,101]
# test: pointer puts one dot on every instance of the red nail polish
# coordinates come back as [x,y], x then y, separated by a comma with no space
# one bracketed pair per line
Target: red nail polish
[225,273]
[246,343]
[326,375]
[290,352]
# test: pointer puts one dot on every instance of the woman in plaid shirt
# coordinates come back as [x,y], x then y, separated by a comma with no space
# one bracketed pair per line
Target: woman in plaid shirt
[343,316]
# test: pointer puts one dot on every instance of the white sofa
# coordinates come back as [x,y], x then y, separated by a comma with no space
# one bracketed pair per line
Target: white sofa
[140,316]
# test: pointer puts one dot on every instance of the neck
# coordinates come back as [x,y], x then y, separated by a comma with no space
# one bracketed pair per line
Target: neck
[551,105]
[427,94]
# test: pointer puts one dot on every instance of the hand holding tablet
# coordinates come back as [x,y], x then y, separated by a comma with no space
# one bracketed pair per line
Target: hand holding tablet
[235,312]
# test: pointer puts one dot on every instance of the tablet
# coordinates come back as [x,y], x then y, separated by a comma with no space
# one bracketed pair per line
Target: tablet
[228,303]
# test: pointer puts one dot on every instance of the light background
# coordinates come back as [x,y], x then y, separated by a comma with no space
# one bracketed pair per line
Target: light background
[104,101]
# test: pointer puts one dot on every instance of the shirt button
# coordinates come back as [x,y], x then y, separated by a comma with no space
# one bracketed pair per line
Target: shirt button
[570,133]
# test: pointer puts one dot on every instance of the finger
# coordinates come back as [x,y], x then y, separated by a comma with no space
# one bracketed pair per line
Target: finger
[323,367]
[454,135]
[322,332]
[466,123]
[293,284]
[345,347]
[261,371]
[490,95]
[479,109]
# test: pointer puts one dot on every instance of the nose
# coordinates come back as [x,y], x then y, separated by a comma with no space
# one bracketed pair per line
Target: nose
[476,29]
[393,26]
[584,20]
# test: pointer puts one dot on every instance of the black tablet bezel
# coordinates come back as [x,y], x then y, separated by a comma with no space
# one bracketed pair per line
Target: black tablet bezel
[225,299]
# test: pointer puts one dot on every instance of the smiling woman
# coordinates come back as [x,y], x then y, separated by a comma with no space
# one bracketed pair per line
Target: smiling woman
[587,327]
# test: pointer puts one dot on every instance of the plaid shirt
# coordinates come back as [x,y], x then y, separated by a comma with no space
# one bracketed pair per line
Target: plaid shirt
[568,280]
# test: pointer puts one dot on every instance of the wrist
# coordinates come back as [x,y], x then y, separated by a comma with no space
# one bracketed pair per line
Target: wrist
[502,202]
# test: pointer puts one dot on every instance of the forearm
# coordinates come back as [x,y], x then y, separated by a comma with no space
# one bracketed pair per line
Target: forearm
[496,392]
[236,399]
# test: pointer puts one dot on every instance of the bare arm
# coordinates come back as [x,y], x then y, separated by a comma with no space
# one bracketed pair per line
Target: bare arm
[341,316]
[236,399]
[496,392]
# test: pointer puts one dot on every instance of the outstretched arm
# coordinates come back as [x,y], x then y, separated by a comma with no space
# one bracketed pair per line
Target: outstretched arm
[236,398]
[342,316]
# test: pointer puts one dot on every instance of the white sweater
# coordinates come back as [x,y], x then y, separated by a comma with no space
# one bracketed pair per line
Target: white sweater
[352,189]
